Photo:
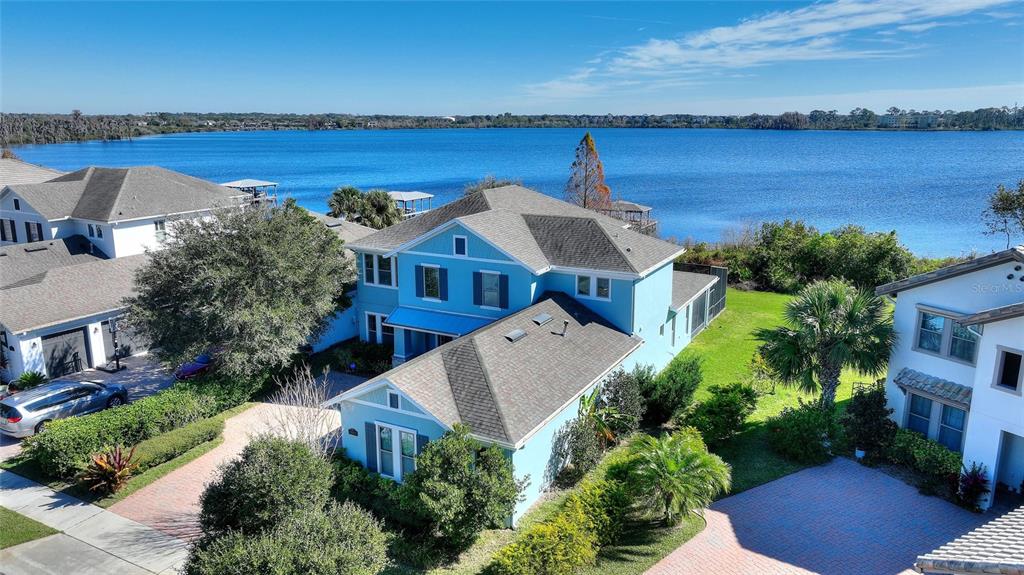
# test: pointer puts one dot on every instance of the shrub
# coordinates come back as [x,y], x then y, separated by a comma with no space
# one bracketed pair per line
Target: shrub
[972,485]
[380,495]
[66,445]
[28,380]
[556,547]
[167,446]
[803,434]
[461,488]
[867,422]
[673,388]
[623,391]
[108,472]
[923,455]
[340,540]
[371,358]
[722,415]
[273,479]
[577,449]
[605,505]
[224,391]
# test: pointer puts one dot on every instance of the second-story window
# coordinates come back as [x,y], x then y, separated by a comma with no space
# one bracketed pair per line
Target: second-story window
[17,204]
[8,231]
[99,231]
[431,282]
[379,270]
[947,337]
[369,269]
[92,231]
[384,271]
[490,289]
[34,231]
[161,230]
[459,247]
[1009,371]
[594,287]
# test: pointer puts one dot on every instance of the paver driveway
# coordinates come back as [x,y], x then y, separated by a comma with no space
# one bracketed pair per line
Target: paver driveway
[840,518]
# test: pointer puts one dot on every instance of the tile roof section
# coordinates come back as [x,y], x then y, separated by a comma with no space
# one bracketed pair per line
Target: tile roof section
[530,380]
[117,194]
[688,285]
[68,293]
[28,263]
[937,387]
[14,171]
[560,234]
[472,390]
[996,547]
[1012,254]
[995,314]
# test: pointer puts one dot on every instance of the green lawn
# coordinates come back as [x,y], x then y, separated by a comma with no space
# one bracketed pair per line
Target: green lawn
[727,346]
[19,529]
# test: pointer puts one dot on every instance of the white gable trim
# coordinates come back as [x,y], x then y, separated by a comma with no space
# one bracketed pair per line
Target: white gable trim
[447,226]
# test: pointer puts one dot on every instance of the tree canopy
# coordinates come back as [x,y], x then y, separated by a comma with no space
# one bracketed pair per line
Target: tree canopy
[250,285]
[1004,213]
[345,202]
[586,187]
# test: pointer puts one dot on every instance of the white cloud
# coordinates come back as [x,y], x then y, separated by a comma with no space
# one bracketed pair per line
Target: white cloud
[922,27]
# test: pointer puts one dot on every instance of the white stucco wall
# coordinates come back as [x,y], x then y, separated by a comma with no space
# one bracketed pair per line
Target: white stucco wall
[25,214]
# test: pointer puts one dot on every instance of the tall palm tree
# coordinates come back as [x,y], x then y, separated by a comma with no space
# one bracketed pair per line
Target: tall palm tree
[345,202]
[829,326]
[678,473]
[379,210]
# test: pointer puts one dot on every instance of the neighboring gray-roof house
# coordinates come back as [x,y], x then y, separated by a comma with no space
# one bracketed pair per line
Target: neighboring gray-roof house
[348,231]
[531,228]
[505,390]
[15,171]
[23,262]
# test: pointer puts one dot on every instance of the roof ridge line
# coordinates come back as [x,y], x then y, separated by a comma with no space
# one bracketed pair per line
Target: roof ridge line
[615,245]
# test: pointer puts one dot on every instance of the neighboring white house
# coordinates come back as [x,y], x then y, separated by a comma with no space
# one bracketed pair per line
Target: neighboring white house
[122,211]
[956,373]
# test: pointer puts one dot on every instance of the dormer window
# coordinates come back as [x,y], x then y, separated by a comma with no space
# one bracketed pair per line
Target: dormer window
[459,245]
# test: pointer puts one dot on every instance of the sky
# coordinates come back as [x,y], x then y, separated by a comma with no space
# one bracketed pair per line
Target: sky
[519,57]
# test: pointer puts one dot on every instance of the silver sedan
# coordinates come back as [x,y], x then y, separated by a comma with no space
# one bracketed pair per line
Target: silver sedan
[26,412]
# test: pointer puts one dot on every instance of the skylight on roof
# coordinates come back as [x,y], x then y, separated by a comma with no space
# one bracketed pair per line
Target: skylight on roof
[542,318]
[515,335]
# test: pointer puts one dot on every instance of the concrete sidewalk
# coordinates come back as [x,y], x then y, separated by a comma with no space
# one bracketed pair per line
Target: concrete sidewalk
[94,541]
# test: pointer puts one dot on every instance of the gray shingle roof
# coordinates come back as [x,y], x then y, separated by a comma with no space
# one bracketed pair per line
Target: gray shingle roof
[68,293]
[116,194]
[13,171]
[996,547]
[537,230]
[687,285]
[28,263]
[934,386]
[529,381]
[346,230]
[1012,254]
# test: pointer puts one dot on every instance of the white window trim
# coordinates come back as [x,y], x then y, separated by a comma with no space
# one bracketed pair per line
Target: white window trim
[593,287]
[493,273]
[399,402]
[935,416]
[376,271]
[465,242]
[946,345]
[1001,351]
[423,271]
[396,447]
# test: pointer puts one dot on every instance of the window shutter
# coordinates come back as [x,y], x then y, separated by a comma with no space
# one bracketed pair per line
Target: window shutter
[442,279]
[478,288]
[503,290]
[371,446]
[419,281]
[421,443]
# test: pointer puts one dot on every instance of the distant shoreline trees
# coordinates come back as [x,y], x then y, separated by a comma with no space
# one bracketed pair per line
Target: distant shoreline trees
[18,129]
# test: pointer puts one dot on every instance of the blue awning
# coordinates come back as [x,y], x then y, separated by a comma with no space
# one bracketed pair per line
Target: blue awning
[435,321]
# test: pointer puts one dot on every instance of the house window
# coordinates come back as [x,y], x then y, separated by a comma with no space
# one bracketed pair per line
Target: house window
[369,271]
[386,451]
[594,287]
[407,443]
[379,270]
[395,463]
[8,231]
[443,339]
[951,427]
[384,271]
[920,414]
[33,231]
[431,282]
[460,245]
[930,333]
[392,400]
[963,342]
[92,231]
[490,289]
[17,204]
[99,231]
[160,228]
[1008,370]
[673,331]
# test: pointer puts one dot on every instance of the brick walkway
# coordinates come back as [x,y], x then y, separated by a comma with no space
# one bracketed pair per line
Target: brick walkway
[841,518]
[171,504]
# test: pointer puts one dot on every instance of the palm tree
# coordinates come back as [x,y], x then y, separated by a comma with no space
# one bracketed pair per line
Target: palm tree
[601,416]
[345,202]
[830,325]
[678,473]
[379,210]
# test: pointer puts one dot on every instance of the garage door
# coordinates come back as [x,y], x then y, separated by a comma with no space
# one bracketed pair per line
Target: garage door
[129,342]
[65,352]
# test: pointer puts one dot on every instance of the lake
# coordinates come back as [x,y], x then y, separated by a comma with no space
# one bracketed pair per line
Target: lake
[928,186]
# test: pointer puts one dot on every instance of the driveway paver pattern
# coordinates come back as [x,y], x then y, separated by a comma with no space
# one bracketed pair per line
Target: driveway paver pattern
[840,518]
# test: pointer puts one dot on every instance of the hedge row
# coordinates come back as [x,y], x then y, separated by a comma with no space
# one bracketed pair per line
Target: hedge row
[926,456]
[166,446]
[67,444]
[591,517]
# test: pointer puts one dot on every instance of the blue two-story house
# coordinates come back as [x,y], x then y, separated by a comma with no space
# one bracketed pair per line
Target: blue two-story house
[504,308]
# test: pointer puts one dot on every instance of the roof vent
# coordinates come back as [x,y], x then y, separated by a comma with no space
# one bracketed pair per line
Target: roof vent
[515,335]
[542,318]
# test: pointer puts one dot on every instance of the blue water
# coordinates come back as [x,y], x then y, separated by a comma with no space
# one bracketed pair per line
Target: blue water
[928,186]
